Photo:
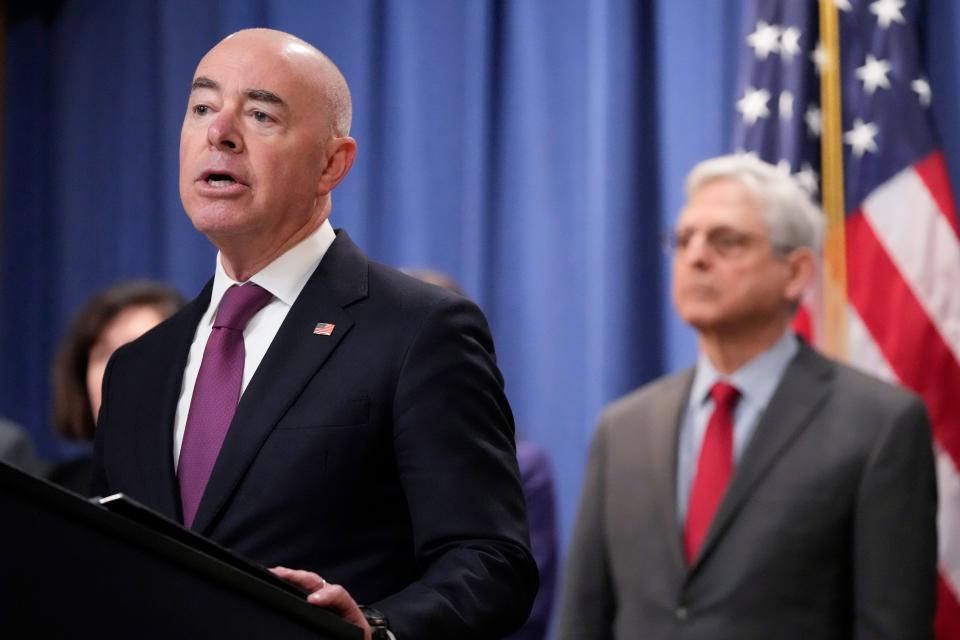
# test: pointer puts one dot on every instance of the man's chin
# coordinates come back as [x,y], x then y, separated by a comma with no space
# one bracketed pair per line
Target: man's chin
[700,315]
[217,218]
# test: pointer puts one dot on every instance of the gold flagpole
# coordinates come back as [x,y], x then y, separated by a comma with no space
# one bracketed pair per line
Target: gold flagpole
[834,250]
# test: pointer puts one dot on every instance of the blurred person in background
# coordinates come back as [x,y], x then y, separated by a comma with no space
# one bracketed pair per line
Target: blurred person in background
[110,319]
[769,491]
[16,448]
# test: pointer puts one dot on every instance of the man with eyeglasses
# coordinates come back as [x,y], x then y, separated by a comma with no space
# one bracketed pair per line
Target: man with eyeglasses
[767,492]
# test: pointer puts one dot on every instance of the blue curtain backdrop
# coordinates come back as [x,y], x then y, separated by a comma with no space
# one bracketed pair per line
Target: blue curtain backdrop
[533,149]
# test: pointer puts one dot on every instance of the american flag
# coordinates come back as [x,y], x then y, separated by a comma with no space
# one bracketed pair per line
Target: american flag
[323,329]
[901,234]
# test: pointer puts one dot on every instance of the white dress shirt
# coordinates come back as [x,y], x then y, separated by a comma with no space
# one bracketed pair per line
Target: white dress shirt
[285,278]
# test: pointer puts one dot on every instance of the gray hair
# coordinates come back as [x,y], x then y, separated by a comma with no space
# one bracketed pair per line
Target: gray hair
[794,220]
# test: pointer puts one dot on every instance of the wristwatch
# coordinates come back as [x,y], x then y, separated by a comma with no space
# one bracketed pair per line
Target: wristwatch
[378,623]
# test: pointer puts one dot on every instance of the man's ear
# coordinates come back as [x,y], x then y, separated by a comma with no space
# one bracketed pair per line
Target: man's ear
[340,155]
[802,269]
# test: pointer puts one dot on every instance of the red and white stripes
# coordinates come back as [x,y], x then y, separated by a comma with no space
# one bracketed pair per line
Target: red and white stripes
[903,280]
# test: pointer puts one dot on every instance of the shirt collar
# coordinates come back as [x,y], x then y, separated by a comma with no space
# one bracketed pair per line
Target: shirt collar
[286,276]
[756,380]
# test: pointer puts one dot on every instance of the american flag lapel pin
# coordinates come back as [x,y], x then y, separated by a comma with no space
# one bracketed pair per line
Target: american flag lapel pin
[324,328]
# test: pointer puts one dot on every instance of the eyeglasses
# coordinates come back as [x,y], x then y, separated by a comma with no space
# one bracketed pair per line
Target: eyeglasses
[722,241]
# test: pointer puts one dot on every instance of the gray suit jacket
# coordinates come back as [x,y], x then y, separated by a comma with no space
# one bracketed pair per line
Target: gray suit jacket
[826,531]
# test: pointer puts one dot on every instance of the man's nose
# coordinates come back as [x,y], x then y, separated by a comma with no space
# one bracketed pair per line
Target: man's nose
[697,251]
[224,134]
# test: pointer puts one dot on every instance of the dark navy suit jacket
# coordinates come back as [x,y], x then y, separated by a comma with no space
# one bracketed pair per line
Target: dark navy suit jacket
[382,456]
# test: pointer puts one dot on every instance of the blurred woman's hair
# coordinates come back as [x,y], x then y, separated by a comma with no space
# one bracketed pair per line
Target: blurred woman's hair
[72,416]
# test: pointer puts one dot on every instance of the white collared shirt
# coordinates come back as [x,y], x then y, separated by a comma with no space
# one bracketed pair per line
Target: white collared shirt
[756,380]
[285,278]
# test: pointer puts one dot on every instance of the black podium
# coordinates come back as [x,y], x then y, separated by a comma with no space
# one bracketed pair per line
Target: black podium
[71,568]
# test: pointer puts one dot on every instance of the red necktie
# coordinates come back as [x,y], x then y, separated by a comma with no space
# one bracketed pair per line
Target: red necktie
[714,468]
[216,393]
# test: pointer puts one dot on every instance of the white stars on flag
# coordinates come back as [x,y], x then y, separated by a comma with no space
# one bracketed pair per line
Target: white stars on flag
[772,38]
[764,40]
[789,43]
[921,87]
[861,137]
[753,105]
[819,57]
[875,77]
[873,74]
[814,120]
[887,12]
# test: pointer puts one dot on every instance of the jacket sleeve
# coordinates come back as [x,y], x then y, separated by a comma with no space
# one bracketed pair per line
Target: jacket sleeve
[895,538]
[455,453]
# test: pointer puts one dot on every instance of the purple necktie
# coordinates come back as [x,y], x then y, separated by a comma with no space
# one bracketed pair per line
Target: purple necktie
[216,393]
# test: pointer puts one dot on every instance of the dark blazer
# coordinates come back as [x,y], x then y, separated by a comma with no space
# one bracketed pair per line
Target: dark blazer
[382,456]
[75,475]
[826,531]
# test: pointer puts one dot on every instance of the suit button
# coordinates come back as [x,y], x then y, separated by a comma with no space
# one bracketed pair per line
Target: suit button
[681,613]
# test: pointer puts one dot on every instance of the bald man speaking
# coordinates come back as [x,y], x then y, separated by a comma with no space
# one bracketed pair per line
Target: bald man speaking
[313,409]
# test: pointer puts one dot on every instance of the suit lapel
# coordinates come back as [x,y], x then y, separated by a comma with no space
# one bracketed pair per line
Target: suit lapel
[804,387]
[292,359]
[155,448]
[662,449]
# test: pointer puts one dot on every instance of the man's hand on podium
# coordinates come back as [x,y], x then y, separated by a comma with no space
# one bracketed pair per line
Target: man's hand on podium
[325,594]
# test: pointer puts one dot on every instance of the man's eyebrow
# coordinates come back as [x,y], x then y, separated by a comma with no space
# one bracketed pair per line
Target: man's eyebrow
[203,82]
[262,95]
